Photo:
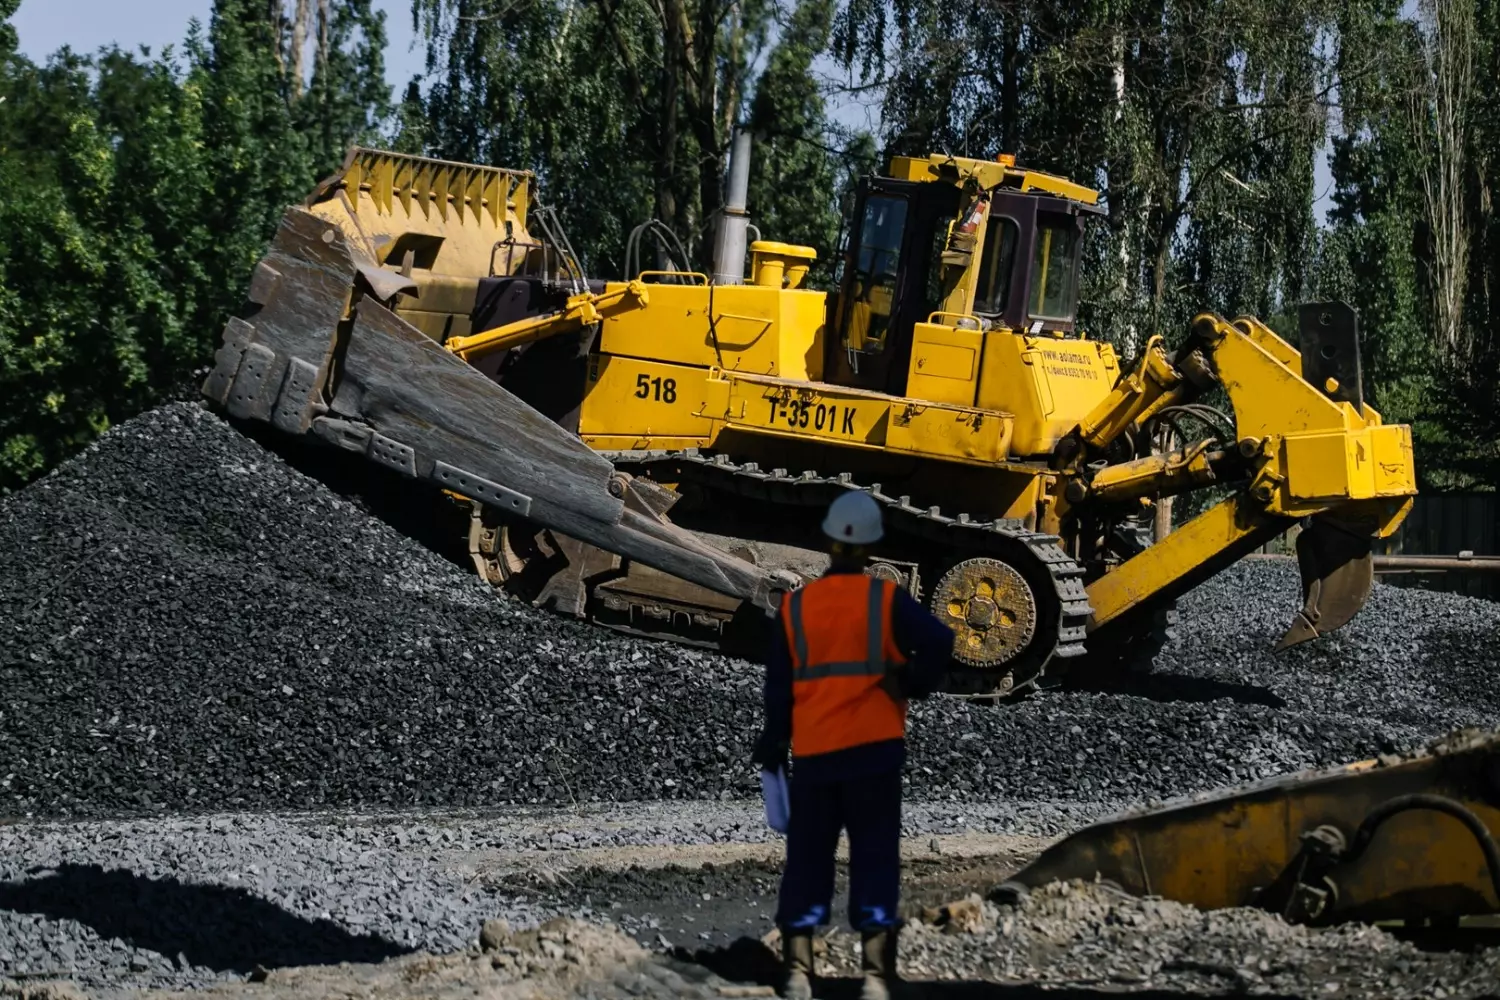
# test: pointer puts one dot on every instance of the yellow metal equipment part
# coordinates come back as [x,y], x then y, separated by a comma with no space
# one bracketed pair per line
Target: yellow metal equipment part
[1311,456]
[1406,838]
[988,174]
[581,310]
[1319,449]
[778,265]
[990,605]
[438,225]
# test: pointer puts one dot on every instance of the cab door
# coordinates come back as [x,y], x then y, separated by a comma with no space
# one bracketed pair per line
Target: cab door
[885,284]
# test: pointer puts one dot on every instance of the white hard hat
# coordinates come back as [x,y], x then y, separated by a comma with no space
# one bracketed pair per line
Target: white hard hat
[854,518]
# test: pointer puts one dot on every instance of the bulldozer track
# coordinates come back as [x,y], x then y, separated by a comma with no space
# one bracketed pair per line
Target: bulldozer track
[955,532]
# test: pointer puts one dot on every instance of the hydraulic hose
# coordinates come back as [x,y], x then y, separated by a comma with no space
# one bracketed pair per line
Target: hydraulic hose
[1437,803]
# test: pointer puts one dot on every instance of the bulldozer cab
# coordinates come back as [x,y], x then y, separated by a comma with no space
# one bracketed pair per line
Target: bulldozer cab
[1027,270]
[905,260]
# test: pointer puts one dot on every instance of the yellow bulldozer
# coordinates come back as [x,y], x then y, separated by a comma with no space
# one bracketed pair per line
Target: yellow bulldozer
[654,453]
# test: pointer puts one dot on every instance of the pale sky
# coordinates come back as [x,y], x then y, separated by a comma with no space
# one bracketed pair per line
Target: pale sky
[47,25]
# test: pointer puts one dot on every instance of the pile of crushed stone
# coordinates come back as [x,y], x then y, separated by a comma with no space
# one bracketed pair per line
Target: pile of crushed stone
[1079,934]
[189,624]
[559,958]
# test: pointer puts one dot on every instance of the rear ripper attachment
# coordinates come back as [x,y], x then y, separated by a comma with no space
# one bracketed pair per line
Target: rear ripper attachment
[1334,553]
[1303,446]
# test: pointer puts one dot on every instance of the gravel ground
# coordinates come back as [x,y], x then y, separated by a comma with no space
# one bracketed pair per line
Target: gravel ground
[191,625]
[182,902]
[558,959]
[1086,935]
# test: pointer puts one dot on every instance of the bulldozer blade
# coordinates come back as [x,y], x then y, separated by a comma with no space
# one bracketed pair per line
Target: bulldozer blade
[1337,574]
[319,357]
[1404,837]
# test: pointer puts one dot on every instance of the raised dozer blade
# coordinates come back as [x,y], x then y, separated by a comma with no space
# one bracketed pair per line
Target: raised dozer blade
[321,354]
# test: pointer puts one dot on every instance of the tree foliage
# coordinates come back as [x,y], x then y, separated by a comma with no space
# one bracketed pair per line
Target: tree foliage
[136,194]
[136,191]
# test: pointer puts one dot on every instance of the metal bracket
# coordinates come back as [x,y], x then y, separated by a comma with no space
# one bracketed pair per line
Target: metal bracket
[245,395]
[345,434]
[393,454]
[296,405]
[1328,335]
[479,488]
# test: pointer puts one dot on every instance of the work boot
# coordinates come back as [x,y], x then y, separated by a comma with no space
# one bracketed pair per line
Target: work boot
[878,963]
[797,962]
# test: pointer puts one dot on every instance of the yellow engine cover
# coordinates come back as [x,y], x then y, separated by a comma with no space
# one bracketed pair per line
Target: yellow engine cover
[748,328]
[1048,383]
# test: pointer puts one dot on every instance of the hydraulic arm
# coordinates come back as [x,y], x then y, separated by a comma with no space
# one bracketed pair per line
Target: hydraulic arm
[581,310]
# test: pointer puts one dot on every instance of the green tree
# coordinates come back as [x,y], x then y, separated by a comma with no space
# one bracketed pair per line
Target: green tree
[793,189]
[625,109]
[136,195]
[8,40]
[1198,119]
[348,100]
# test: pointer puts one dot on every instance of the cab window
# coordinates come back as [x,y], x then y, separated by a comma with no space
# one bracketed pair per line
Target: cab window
[1054,271]
[995,265]
[876,265]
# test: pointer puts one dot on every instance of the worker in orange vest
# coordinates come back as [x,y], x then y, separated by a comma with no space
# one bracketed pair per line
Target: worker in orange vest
[850,650]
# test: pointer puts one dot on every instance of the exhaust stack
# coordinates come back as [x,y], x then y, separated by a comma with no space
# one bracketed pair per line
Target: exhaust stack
[734,222]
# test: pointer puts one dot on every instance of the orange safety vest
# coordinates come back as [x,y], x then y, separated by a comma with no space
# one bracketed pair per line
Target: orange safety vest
[838,629]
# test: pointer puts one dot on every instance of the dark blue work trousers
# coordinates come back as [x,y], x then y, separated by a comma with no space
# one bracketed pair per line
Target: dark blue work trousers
[869,808]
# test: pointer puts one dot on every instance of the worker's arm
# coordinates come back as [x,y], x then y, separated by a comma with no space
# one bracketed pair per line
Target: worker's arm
[927,643]
[776,734]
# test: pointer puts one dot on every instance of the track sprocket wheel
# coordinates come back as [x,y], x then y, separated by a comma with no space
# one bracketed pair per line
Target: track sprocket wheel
[991,609]
[515,558]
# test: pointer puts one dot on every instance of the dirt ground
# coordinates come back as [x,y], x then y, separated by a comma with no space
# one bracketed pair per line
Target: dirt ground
[697,899]
[692,919]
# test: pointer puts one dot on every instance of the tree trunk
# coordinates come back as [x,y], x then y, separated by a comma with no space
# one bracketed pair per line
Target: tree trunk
[299,45]
[666,131]
[1010,85]
[705,110]
[1161,261]
[1115,182]
[276,17]
[325,26]
[1161,519]
[1442,125]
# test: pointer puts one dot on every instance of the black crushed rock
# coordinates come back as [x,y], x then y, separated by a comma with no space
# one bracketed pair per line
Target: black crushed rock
[169,902]
[189,624]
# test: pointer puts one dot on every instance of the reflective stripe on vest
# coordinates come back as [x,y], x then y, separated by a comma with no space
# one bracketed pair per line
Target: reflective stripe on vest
[838,629]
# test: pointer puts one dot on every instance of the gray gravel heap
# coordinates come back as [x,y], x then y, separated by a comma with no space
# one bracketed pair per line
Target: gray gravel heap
[182,903]
[189,624]
[1082,934]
